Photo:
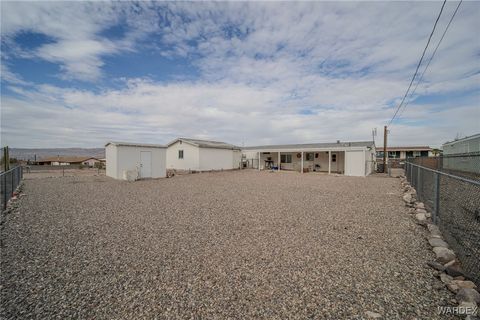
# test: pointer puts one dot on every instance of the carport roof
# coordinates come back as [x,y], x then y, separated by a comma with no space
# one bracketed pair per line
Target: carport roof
[366,144]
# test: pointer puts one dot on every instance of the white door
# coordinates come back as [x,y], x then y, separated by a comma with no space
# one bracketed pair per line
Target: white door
[355,163]
[145,164]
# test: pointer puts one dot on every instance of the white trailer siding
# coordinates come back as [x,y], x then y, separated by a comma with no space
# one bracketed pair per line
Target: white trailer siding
[217,159]
[191,156]
[121,158]
[369,161]
[111,160]
[355,163]
[237,157]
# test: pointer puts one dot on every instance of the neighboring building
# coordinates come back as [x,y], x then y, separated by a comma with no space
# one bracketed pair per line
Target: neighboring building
[202,155]
[348,158]
[465,145]
[462,154]
[403,153]
[132,161]
[90,162]
[66,161]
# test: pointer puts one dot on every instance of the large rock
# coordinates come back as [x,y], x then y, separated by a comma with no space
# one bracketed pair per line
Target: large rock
[443,255]
[453,268]
[420,205]
[420,216]
[421,210]
[407,197]
[468,295]
[464,284]
[373,315]
[435,265]
[433,228]
[445,278]
[437,242]
[434,231]
[453,287]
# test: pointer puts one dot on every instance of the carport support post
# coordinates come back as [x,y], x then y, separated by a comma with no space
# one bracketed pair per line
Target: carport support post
[329,161]
[301,164]
[259,161]
[279,161]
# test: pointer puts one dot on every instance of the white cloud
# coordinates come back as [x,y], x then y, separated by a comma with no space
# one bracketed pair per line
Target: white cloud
[73,29]
[261,65]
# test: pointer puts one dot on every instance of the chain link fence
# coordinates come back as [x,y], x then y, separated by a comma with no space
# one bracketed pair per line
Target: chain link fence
[450,188]
[9,181]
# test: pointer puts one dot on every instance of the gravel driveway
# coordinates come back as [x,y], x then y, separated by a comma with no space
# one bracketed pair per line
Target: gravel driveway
[216,245]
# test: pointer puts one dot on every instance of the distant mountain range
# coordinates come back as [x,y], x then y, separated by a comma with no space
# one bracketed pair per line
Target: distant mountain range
[30,154]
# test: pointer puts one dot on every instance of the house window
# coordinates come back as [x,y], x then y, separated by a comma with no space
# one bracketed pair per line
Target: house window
[309,156]
[409,154]
[180,154]
[286,158]
[334,157]
[394,154]
[424,153]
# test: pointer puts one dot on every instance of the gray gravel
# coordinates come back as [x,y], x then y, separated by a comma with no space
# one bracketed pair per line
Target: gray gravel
[216,245]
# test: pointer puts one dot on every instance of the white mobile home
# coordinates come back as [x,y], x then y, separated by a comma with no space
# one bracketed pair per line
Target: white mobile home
[465,145]
[132,161]
[462,154]
[202,155]
[348,158]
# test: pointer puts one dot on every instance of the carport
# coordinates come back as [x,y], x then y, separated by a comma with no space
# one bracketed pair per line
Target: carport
[348,158]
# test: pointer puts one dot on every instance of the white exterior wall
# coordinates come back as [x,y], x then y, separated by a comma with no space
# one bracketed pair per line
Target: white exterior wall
[355,163]
[218,159]
[191,156]
[369,161]
[111,161]
[237,157]
[127,158]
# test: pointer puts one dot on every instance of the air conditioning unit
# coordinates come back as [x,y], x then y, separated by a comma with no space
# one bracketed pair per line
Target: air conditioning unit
[130,175]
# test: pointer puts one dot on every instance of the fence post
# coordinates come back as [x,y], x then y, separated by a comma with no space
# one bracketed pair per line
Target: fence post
[419,182]
[4,191]
[436,198]
[13,183]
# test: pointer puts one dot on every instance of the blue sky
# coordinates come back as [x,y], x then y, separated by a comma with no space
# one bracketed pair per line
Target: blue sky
[83,73]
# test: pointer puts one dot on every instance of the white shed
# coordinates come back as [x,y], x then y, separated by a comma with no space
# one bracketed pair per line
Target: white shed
[132,161]
[202,155]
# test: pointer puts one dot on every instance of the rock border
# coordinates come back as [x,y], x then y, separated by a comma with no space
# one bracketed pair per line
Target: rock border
[448,267]
[12,202]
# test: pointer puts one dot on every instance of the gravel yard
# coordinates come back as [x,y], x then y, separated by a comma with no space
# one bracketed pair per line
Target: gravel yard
[216,245]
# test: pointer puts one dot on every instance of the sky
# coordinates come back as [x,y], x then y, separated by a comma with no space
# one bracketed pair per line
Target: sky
[80,74]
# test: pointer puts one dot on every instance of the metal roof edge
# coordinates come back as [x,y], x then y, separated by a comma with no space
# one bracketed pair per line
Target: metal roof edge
[133,144]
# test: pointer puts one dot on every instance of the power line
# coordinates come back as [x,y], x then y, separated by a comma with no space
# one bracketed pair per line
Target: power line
[419,63]
[431,58]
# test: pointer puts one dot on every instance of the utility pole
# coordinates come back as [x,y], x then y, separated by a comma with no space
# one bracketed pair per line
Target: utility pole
[384,149]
